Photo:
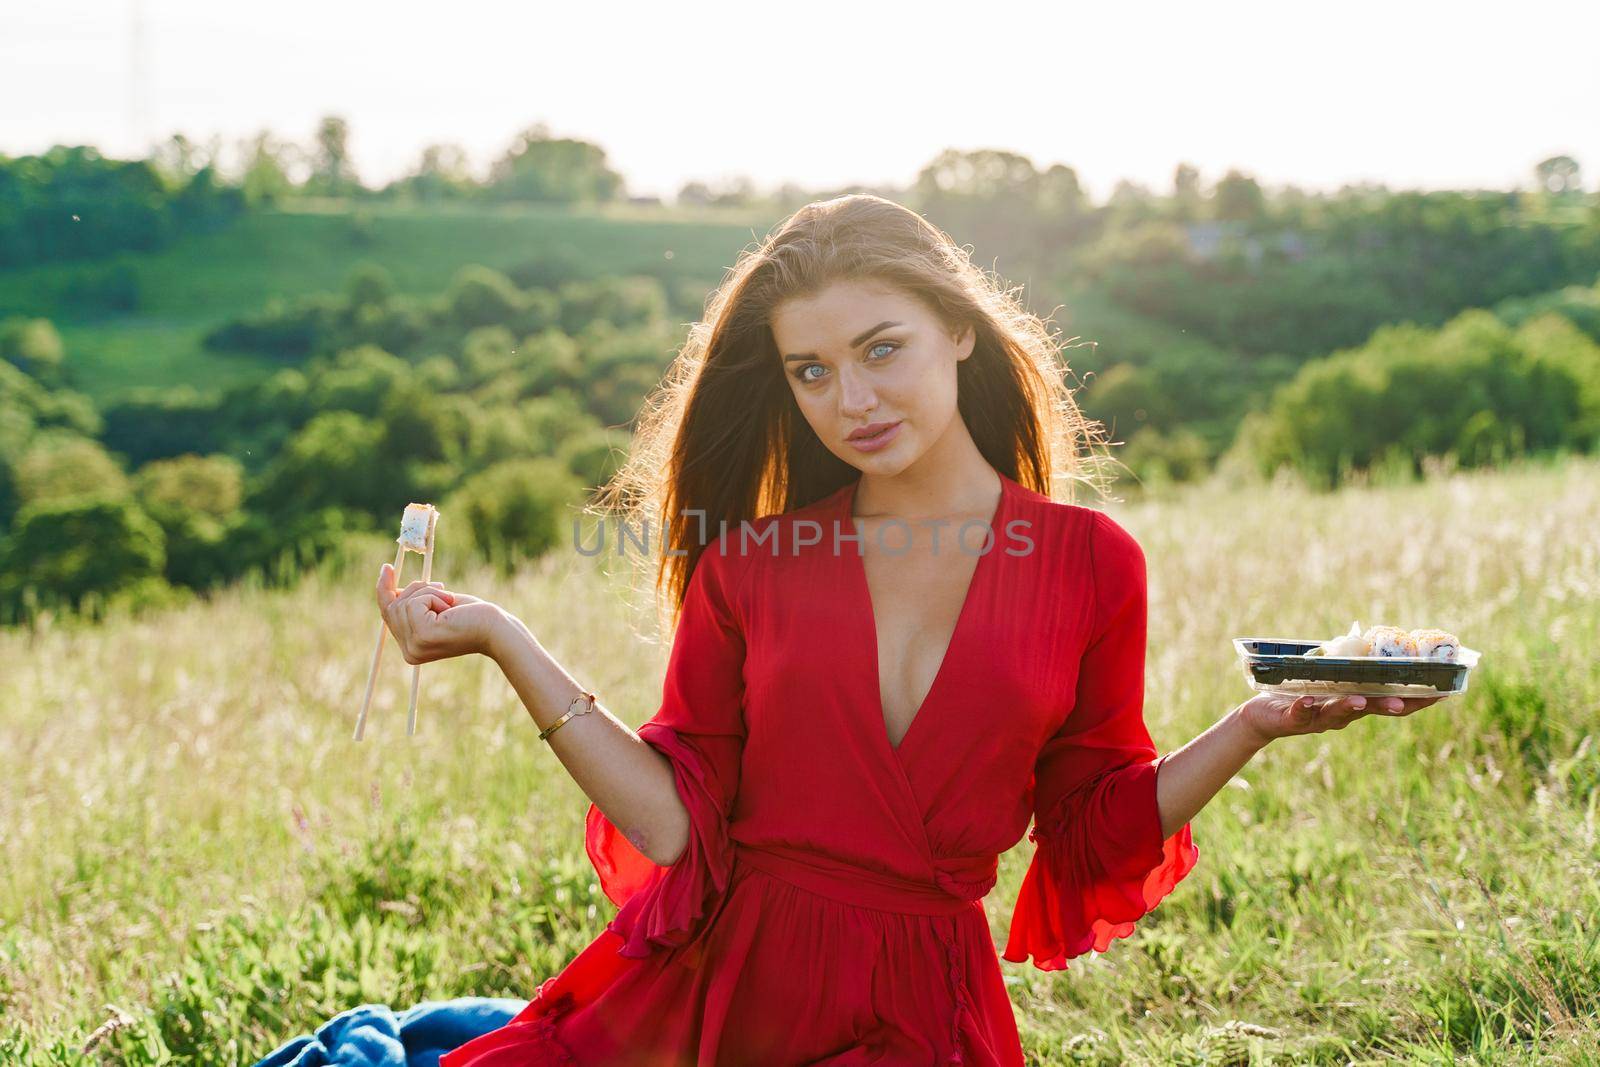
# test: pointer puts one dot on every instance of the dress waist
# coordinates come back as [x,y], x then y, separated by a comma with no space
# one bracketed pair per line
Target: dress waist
[851,884]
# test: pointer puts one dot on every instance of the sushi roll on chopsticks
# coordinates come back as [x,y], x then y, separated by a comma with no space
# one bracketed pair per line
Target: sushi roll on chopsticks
[417,527]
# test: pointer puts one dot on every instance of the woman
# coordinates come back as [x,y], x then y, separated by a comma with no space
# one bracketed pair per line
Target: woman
[866,702]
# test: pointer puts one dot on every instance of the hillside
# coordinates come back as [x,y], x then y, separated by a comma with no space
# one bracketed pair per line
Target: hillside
[202,281]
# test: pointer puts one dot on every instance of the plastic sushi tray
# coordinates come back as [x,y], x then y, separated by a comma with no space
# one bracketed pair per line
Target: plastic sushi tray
[1280,665]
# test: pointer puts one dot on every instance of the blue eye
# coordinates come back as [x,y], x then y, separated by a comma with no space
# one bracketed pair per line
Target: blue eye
[800,375]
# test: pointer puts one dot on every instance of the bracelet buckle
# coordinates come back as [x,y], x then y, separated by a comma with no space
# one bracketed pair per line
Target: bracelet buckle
[586,697]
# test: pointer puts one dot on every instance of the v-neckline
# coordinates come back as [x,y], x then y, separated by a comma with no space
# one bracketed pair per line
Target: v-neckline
[863,588]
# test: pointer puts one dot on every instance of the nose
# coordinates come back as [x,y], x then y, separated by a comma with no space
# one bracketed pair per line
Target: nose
[856,397]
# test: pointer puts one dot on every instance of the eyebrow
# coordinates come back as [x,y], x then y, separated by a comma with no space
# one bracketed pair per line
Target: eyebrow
[859,339]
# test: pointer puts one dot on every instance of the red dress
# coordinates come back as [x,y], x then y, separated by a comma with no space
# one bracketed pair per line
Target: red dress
[828,909]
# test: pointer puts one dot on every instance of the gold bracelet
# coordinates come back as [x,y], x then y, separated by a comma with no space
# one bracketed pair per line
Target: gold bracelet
[585,696]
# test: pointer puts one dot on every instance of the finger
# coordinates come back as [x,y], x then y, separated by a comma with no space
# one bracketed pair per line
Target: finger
[386,584]
[420,607]
[1344,711]
[419,588]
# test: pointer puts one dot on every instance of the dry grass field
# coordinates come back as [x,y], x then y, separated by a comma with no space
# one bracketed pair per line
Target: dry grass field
[194,847]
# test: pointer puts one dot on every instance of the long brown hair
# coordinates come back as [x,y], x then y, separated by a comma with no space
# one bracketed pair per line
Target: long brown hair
[722,439]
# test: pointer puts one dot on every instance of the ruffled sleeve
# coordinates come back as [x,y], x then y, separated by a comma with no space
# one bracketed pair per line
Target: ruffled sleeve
[1100,862]
[700,728]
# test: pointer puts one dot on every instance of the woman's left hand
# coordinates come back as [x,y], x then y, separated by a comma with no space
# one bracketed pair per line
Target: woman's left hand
[1274,715]
[430,622]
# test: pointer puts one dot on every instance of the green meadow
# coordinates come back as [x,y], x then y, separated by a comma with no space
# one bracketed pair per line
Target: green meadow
[204,280]
[199,863]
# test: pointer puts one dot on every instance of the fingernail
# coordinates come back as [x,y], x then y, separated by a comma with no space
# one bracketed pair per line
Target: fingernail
[1358,704]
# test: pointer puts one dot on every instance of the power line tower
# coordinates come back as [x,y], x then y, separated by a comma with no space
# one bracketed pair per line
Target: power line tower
[138,81]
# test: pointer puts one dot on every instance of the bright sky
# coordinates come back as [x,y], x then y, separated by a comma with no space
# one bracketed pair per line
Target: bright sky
[1413,94]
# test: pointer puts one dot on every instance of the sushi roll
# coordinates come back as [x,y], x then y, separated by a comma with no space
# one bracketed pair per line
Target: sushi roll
[1436,644]
[416,527]
[1390,642]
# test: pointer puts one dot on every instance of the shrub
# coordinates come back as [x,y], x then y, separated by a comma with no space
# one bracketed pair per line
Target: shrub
[68,549]
[518,507]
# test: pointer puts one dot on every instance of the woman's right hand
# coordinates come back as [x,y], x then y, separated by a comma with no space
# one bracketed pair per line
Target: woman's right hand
[1273,715]
[429,622]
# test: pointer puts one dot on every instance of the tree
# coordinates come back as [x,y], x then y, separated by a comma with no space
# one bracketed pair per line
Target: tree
[1238,198]
[1061,194]
[210,485]
[541,168]
[59,465]
[694,192]
[1559,174]
[517,508]
[368,285]
[332,173]
[175,156]
[180,159]
[69,549]
[480,296]
[441,173]
[987,175]
[1132,203]
[1186,194]
[335,459]
[267,165]
[34,347]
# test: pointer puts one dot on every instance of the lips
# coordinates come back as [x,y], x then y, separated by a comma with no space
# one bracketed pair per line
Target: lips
[876,442]
[871,431]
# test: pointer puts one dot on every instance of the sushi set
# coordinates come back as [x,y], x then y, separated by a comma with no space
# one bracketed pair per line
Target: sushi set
[1380,661]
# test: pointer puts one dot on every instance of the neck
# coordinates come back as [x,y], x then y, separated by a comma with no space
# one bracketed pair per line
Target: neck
[933,487]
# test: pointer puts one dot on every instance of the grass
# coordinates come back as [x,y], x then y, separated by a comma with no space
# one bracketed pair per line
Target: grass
[196,853]
[199,282]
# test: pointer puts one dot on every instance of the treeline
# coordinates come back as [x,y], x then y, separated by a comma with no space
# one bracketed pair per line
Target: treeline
[1483,389]
[1186,308]
[489,398]
[536,167]
[495,399]
[1215,322]
[72,203]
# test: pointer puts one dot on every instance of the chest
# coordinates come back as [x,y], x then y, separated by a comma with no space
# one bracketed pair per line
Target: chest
[912,651]
[913,603]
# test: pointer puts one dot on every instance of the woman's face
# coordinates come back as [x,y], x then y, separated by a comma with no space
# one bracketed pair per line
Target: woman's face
[862,356]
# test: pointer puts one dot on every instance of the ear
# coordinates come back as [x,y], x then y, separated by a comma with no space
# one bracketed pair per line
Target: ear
[965,340]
